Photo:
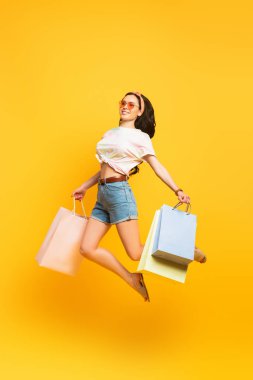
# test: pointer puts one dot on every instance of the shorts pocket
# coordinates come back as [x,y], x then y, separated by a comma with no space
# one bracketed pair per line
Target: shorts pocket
[114,186]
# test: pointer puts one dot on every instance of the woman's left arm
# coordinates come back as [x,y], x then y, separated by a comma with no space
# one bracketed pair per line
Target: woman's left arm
[163,174]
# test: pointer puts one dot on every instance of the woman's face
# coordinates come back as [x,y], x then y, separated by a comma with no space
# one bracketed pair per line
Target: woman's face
[129,114]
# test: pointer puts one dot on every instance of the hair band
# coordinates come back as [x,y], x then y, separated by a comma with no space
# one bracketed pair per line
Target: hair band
[142,101]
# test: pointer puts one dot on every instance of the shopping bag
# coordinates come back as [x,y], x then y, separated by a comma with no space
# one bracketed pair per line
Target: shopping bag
[60,248]
[154,265]
[175,235]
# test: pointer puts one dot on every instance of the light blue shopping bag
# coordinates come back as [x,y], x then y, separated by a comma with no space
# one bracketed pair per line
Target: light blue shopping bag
[154,265]
[175,235]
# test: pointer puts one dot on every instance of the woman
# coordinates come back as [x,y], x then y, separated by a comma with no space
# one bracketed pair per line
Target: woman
[119,152]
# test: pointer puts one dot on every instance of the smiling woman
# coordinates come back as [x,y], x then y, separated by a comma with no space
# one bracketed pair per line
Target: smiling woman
[119,152]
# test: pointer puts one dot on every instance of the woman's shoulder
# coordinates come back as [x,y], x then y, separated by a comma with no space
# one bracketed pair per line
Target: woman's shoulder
[143,135]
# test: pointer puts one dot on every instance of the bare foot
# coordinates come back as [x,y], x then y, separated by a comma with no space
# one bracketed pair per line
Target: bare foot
[199,255]
[137,284]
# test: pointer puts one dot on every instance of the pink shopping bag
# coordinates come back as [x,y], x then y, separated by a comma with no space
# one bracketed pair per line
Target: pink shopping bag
[60,248]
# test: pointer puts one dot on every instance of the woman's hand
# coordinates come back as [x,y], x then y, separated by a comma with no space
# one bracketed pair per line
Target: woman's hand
[79,193]
[182,197]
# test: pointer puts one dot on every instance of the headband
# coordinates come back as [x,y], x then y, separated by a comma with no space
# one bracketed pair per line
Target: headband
[142,101]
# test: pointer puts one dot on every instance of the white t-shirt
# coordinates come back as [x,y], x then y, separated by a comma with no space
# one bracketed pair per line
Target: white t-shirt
[123,148]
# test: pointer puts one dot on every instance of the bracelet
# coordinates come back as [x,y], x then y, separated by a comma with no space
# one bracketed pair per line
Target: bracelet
[176,192]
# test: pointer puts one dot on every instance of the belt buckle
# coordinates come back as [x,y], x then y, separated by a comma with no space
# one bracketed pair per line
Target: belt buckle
[99,181]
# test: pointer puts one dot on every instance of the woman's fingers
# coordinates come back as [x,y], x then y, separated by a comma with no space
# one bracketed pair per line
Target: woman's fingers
[77,196]
[184,198]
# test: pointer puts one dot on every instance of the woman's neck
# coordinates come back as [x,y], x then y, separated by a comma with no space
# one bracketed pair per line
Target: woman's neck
[127,124]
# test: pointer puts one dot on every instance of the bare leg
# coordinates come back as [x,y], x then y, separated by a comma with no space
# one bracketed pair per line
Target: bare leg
[93,233]
[130,237]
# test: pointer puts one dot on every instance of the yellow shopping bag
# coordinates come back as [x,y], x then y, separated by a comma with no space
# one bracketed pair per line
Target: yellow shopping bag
[156,265]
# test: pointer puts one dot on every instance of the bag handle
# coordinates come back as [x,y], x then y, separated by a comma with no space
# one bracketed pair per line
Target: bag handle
[74,209]
[180,203]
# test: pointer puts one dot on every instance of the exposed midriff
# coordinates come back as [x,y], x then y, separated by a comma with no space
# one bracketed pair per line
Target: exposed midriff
[108,171]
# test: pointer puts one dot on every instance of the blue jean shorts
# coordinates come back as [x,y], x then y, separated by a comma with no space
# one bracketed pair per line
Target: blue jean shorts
[115,203]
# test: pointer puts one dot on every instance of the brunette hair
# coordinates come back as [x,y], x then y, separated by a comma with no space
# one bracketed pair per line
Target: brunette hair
[145,122]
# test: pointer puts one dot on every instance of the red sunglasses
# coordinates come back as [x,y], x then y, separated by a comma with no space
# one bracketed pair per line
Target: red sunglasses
[130,105]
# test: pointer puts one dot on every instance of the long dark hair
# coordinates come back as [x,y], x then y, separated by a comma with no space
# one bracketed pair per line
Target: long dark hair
[145,122]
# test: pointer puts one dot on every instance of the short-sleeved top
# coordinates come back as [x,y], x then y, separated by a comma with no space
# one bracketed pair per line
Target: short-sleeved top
[124,148]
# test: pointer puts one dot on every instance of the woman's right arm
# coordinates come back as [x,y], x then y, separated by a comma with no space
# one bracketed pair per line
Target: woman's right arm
[91,181]
[81,190]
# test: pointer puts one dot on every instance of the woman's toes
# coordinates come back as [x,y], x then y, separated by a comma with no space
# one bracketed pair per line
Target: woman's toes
[136,283]
[203,260]
[199,255]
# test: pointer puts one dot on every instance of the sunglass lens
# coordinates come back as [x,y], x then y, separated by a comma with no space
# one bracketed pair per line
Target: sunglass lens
[122,103]
[130,106]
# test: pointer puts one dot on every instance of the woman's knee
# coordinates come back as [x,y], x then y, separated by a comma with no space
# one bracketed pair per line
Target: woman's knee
[136,256]
[87,252]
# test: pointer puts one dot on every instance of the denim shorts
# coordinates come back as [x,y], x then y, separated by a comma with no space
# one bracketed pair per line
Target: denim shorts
[115,203]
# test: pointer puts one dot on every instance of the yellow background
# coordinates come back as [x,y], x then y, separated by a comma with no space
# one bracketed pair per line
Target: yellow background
[63,67]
